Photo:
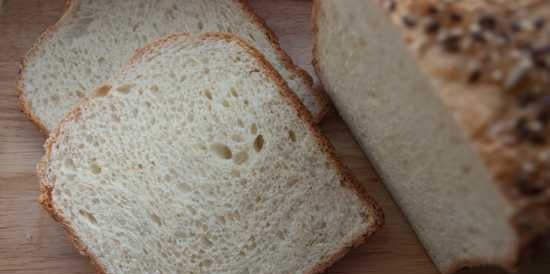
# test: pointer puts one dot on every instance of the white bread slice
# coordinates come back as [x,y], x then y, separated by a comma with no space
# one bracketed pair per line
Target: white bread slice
[94,38]
[452,116]
[197,158]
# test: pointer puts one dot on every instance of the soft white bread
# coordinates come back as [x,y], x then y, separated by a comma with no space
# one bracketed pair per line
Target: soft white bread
[450,100]
[197,158]
[94,38]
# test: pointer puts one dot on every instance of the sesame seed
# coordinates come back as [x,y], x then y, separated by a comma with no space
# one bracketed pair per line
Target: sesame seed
[521,128]
[408,21]
[432,27]
[530,131]
[431,10]
[528,167]
[478,36]
[527,187]
[475,76]
[496,75]
[539,23]
[487,22]
[526,98]
[543,116]
[391,5]
[451,44]
[516,75]
[515,27]
[455,17]
[536,126]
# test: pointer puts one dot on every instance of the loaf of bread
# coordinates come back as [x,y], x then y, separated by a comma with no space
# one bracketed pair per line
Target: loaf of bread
[197,158]
[451,101]
[94,38]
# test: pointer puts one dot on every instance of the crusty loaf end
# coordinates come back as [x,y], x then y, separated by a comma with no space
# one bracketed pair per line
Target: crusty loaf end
[489,63]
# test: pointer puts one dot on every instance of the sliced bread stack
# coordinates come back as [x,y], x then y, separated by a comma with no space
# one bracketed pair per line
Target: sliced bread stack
[198,158]
[94,38]
[451,101]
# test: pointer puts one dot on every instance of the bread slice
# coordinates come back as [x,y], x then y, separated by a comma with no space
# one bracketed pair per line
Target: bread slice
[94,38]
[453,116]
[198,158]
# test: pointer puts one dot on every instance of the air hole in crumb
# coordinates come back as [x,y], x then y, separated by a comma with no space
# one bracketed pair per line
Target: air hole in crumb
[259,143]
[69,163]
[206,263]
[184,187]
[241,157]
[240,123]
[155,88]
[103,91]
[208,94]
[246,102]
[292,136]
[222,151]
[79,94]
[200,146]
[291,182]
[233,92]
[253,129]
[235,173]
[124,89]
[115,118]
[96,169]
[237,138]
[156,219]
[88,216]
[225,103]
[191,210]
[200,25]
[101,60]
[206,242]
[221,220]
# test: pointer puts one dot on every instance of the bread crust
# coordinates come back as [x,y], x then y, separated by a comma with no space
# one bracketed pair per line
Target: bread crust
[70,5]
[22,102]
[46,188]
[319,95]
[373,213]
[532,214]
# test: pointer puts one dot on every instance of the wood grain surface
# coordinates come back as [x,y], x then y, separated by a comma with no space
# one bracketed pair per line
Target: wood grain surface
[32,243]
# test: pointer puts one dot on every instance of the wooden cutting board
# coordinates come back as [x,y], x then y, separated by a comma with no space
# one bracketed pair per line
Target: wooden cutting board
[31,243]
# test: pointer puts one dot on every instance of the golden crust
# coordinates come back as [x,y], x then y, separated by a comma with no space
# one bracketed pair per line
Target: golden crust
[319,95]
[488,62]
[70,5]
[22,101]
[46,188]
[375,219]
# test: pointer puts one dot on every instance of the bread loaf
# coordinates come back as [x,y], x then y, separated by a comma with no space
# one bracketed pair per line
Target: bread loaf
[450,101]
[197,158]
[94,38]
